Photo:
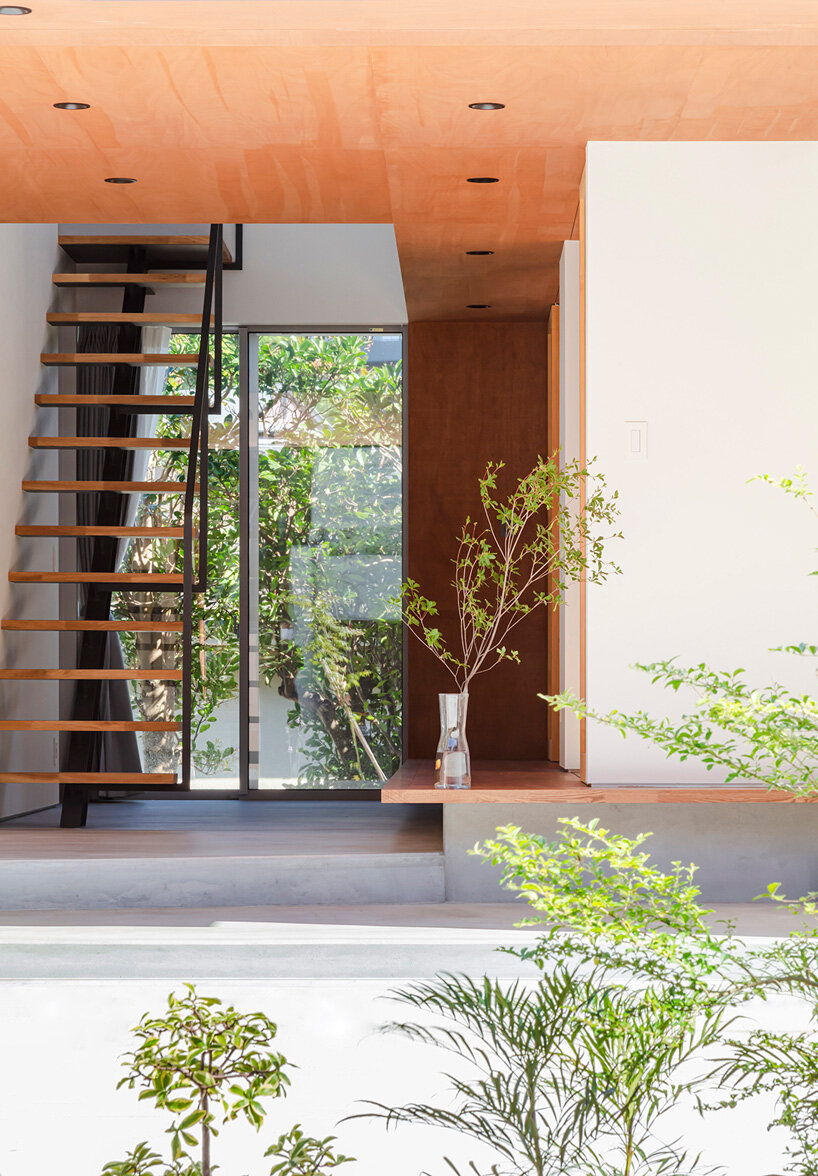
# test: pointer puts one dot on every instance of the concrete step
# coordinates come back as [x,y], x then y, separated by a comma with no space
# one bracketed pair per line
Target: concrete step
[93,883]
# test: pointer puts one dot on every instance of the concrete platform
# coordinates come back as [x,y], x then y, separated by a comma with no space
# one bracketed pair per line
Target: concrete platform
[139,854]
[739,848]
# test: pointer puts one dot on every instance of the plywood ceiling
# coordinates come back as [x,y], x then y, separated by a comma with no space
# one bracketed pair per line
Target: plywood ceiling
[357,111]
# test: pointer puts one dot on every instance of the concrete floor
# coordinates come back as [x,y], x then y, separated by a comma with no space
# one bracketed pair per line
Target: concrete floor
[205,853]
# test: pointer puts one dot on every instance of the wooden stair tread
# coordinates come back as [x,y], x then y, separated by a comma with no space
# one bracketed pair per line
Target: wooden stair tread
[141,779]
[165,403]
[155,279]
[113,487]
[144,318]
[95,578]
[174,252]
[21,675]
[118,532]
[47,626]
[131,358]
[157,443]
[85,725]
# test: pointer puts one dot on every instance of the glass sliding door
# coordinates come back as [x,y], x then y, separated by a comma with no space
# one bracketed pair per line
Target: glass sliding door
[215,669]
[325,521]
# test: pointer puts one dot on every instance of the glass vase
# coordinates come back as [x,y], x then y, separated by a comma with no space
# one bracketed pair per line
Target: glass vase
[453,762]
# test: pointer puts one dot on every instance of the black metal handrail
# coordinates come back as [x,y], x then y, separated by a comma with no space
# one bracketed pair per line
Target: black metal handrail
[195,569]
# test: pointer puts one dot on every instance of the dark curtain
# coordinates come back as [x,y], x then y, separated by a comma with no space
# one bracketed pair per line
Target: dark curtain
[112,751]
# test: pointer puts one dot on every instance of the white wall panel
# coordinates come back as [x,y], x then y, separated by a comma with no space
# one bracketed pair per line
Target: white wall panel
[702,303]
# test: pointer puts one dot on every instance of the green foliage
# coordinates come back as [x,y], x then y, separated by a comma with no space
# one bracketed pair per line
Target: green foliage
[602,901]
[329,465]
[302,1155]
[548,532]
[143,1161]
[784,1065]
[204,1063]
[569,1075]
[597,883]
[760,733]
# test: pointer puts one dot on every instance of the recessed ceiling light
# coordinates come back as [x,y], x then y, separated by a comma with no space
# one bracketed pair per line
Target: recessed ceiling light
[482,180]
[487,106]
[479,252]
[13,10]
[120,180]
[72,105]
[479,306]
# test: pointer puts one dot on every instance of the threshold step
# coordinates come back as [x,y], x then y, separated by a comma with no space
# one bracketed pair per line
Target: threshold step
[171,252]
[135,532]
[166,404]
[112,487]
[151,578]
[157,443]
[94,779]
[129,358]
[16,675]
[84,725]
[142,319]
[113,280]
[58,626]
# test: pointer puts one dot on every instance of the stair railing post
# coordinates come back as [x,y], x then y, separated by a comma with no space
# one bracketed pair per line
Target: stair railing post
[197,463]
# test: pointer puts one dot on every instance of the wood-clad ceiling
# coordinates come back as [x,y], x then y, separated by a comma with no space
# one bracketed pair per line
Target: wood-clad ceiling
[357,111]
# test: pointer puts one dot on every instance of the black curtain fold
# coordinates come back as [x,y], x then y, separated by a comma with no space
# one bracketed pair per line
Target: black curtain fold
[103,751]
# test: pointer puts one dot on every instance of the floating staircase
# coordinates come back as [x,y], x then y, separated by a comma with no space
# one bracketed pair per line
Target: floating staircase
[86,726]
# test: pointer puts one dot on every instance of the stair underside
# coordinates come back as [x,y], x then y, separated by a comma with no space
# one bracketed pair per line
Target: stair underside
[112,358]
[158,579]
[165,404]
[146,253]
[147,780]
[118,318]
[113,487]
[84,725]
[36,675]
[58,626]
[170,252]
[146,531]
[157,443]
[113,280]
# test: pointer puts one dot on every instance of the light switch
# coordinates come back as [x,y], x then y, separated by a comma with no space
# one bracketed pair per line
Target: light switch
[636,440]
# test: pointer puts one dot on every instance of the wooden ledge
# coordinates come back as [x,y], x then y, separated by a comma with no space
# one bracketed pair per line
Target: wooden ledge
[540,781]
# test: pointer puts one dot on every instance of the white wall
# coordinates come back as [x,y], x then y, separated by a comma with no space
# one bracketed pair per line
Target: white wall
[570,616]
[702,304]
[298,275]
[29,256]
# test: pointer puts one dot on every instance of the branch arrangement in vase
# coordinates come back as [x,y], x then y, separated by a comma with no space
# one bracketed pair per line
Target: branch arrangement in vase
[551,531]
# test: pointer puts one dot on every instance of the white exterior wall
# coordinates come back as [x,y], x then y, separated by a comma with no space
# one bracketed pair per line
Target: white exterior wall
[294,275]
[570,451]
[702,304]
[29,256]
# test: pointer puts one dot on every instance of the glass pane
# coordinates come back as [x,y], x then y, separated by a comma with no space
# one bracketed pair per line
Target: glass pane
[215,738]
[328,529]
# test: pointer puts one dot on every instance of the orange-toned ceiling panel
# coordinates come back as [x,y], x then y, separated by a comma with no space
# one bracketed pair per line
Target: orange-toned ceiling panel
[357,111]
[426,22]
[210,134]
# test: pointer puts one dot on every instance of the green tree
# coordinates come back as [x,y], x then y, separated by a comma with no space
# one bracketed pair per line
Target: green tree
[571,1075]
[204,1063]
[601,900]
